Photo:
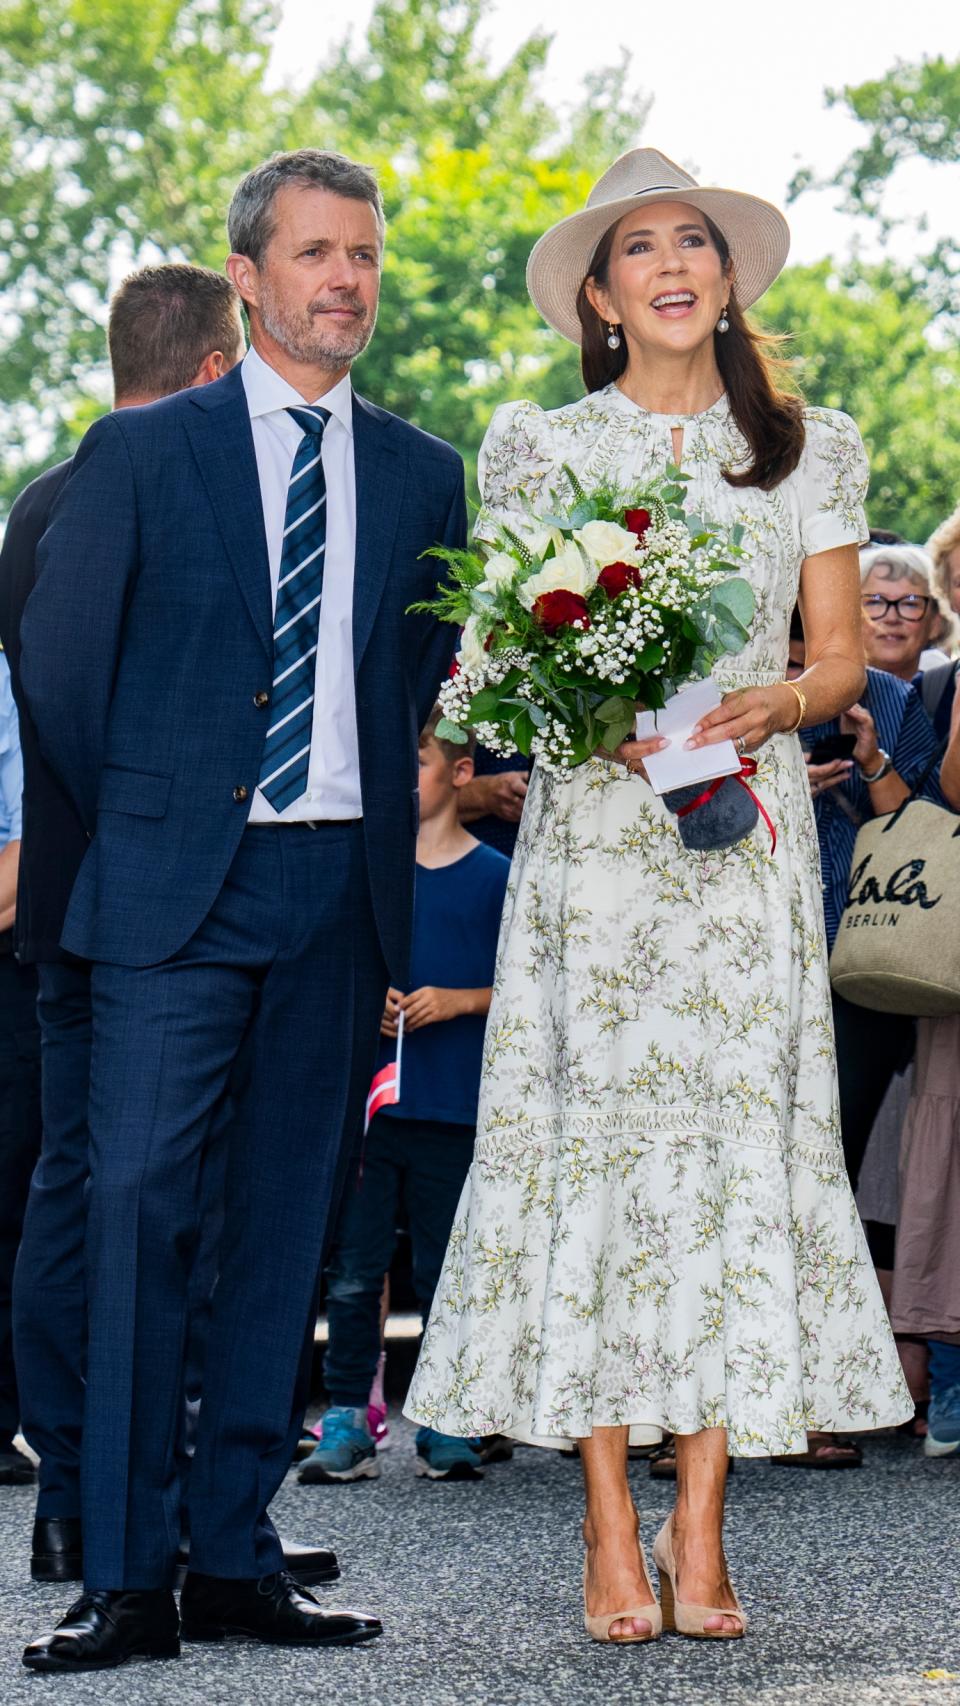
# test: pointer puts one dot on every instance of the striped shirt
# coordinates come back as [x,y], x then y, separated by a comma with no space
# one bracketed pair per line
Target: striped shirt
[904,731]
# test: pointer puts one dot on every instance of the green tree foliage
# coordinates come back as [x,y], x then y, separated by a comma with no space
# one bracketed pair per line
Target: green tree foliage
[913,112]
[863,342]
[122,130]
[125,127]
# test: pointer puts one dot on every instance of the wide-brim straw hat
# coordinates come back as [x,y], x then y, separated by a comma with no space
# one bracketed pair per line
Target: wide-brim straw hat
[757,234]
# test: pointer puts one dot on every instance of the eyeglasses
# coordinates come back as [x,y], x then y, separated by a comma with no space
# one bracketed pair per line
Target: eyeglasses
[910,608]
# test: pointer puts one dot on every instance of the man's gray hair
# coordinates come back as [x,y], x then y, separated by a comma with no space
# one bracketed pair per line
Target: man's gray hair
[251,222]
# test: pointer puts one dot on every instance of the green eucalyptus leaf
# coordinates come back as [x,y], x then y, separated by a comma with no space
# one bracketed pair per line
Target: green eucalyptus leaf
[445,730]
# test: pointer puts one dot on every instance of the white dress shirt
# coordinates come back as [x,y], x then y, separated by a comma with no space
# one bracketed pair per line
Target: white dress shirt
[333,778]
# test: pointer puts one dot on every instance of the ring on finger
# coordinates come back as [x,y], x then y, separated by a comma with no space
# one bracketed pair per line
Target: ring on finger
[741,745]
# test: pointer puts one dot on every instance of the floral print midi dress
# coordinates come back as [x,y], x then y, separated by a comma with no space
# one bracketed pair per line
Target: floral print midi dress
[657,1228]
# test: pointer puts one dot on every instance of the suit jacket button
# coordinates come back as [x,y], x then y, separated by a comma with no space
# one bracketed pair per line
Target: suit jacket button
[240,793]
[260,699]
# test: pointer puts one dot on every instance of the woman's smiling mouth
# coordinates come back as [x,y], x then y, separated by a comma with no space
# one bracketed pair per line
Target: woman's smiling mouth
[674,304]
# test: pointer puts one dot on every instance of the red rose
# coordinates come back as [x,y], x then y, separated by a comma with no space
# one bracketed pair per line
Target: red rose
[616,577]
[556,610]
[637,521]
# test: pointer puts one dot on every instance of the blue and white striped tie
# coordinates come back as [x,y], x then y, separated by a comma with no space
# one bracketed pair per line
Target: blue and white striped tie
[296,622]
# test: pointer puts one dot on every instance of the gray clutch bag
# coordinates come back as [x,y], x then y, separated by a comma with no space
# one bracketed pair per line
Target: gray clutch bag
[725,818]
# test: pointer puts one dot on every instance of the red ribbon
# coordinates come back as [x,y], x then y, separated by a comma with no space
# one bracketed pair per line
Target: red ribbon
[748,767]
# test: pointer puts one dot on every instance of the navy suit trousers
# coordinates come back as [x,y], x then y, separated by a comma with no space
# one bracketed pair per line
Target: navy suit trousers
[286,970]
[49,1295]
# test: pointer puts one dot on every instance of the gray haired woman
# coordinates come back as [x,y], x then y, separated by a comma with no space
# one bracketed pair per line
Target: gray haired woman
[903,609]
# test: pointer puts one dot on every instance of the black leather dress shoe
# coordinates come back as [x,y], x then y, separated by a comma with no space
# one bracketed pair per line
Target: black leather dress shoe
[16,1470]
[272,1609]
[57,1555]
[105,1629]
[308,1565]
[57,1551]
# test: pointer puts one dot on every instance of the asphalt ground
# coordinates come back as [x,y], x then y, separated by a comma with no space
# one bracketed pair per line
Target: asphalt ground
[851,1580]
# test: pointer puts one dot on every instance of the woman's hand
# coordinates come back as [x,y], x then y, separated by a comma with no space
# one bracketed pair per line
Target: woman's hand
[633,752]
[857,721]
[823,776]
[749,716]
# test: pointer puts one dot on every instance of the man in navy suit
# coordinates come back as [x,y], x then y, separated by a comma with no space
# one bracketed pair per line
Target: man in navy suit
[223,674]
[169,327]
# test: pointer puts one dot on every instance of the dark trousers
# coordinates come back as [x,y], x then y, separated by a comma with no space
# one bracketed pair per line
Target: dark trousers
[419,1165]
[871,1047]
[287,969]
[50,1293]
[19,1148]
[49,1290]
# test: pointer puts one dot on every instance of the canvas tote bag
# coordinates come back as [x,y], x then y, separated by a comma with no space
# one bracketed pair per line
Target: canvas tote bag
[898,945]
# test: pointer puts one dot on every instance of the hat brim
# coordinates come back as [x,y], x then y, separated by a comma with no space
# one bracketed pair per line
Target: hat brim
[757,235]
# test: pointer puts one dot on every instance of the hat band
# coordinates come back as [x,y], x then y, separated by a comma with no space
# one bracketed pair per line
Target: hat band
[654,189]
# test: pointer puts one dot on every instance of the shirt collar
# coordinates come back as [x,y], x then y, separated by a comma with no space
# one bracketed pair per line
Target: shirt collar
[269,393]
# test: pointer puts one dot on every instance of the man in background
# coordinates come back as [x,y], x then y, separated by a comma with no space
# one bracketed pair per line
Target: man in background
[19,1079]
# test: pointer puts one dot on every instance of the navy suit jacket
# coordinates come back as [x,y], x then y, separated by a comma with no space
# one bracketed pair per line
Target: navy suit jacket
[149,635]
[54,840]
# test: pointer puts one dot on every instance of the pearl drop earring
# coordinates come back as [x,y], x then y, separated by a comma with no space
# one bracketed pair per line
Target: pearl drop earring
[723,324]
[613,340]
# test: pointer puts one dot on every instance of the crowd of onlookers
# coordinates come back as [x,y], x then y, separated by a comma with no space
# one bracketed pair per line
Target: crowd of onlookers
[899,1077]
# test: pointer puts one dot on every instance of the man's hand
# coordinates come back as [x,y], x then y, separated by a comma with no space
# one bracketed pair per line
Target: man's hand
[494,796]
[821,776]
[859,722]
[430,1006]
[391,1013]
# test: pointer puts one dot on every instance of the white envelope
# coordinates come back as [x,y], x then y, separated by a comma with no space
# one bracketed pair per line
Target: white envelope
[674,768]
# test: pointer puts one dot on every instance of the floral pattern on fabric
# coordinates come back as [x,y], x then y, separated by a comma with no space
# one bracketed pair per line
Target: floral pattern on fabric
[657,1228]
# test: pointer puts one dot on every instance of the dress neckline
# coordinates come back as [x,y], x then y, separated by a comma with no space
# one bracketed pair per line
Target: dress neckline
[717,411]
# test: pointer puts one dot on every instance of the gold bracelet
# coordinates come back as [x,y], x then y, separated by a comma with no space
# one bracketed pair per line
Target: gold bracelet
[802,703]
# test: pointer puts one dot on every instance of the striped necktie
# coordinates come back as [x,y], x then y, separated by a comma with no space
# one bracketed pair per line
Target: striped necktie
[296,623]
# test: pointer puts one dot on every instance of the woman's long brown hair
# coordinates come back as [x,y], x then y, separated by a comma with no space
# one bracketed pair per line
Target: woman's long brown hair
[769,416]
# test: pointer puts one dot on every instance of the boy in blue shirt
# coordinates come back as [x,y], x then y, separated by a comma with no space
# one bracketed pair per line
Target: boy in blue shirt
[417,1151]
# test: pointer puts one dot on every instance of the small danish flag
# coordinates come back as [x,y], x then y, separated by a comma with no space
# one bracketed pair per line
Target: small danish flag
[385,1088]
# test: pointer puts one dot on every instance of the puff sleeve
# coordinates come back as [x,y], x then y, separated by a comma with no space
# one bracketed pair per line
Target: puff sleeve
[832,477]
[515,468]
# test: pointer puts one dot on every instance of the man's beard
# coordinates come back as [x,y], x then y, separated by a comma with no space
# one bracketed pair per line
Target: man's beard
[309,340]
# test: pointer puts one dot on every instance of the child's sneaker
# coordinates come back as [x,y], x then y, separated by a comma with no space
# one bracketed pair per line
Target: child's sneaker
[377,1406]
[493,1448]
[441,1457]
[346,1451]
[378,1425]
[943,1424]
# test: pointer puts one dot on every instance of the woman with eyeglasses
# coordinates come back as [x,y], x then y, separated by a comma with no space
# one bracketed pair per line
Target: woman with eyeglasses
[903,610]
[862,764]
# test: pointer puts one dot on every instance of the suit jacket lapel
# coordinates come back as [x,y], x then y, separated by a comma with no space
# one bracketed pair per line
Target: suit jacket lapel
[378,468]
[219,431]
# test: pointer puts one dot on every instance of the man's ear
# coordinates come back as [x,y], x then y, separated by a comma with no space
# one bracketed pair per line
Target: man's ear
[463,772]
[241,270]
[212,367]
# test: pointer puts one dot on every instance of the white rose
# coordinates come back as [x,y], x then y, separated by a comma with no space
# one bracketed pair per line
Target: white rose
[472,654]
[499,571]
[566,572]
[607,543]
[537,538]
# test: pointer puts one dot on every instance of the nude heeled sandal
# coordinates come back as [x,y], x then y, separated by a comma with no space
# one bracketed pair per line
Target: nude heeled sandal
[688,1619]
[598,1628]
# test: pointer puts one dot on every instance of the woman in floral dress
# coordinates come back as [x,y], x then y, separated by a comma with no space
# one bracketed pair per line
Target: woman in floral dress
[657,1231]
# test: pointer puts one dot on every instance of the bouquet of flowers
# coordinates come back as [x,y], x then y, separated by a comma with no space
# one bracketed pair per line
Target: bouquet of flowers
[613,599]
